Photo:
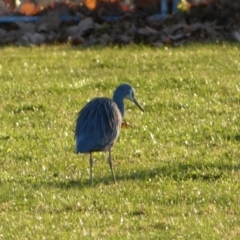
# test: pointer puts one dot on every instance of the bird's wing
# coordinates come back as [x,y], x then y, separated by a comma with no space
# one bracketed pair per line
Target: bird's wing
[97,126]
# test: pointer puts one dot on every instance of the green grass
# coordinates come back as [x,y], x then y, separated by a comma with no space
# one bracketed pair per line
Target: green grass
[177,167]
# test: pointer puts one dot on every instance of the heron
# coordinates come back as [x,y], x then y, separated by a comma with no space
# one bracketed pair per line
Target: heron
[99,122]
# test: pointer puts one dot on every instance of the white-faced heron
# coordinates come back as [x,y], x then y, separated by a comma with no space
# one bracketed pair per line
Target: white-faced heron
[98,124]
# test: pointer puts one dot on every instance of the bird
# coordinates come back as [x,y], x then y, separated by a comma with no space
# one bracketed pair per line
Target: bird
[99,122]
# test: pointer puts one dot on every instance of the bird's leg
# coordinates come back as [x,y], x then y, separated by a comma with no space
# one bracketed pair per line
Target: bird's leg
[91,166]
[111,167]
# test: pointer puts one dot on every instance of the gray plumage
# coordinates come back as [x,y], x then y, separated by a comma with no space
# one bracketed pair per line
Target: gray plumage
[99,122]
[98,126]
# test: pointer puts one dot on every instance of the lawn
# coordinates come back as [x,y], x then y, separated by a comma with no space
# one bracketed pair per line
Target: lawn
[177,167]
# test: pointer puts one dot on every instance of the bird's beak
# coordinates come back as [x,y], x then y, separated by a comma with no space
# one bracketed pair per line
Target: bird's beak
[136,102]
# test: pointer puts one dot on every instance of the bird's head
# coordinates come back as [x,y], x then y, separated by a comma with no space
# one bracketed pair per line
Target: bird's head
[127,91]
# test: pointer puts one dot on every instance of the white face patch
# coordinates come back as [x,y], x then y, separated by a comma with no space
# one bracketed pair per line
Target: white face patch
[130,95]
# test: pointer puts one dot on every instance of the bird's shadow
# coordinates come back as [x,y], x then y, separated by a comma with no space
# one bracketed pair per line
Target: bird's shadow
[179,172]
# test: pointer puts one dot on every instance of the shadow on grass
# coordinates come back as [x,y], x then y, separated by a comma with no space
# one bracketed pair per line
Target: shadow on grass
[179,172]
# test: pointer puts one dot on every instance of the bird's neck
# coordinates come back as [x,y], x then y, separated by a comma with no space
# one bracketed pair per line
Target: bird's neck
[119,101]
